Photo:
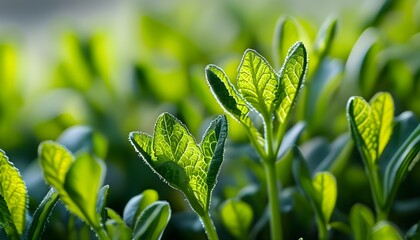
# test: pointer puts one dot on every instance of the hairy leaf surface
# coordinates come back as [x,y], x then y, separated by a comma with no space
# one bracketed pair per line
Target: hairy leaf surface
[371,124]
[258,83]
[231,101]
[291,79]
[13,190]
[185,165]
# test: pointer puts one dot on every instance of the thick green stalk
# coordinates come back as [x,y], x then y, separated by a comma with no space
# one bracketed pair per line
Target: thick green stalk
[209,227]
[322,228]
[275,223]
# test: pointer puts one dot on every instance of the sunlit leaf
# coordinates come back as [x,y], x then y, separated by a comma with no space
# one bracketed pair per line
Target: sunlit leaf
[371,124]
[361,221]
[13,190]
[237,217]
[152,221]
[175,156]
[231,101]
[325,189]
[137,204]
[41,215]
[56,161]
[258,83]
[291,79]
[385,231]
[84,194]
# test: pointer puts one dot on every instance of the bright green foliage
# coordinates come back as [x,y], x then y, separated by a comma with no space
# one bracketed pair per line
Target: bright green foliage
[237,217]
[67,175]
[137,204]
[13,190]
[291,79]
[258,83]
[371,124]
[385,231]
[325,190]
[268,92]
[230,99]
[361,221]
[321,191]
[185,165]
[152,221]
[84,193]
[115,226]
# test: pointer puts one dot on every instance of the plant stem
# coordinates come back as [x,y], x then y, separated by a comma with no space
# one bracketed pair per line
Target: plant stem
[376,188]
[275,223]
[322,229]
[209,227]
[102,235]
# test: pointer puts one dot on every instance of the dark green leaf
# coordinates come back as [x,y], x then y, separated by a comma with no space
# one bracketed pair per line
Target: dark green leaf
[152,221]
[137,204]
[361,221]
[231,101]
[42,214]
[6,221]
[101,202]
[401,163]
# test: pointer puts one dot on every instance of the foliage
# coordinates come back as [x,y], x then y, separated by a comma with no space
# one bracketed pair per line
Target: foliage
[88,84]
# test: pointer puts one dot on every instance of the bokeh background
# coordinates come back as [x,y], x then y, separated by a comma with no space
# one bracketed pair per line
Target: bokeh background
[89,72]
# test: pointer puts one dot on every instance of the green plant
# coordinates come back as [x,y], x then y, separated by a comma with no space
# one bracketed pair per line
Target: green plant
[371,128]
[192,168]
[263,97]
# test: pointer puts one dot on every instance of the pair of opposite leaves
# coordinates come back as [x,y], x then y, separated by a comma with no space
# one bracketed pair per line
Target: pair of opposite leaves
[192,168]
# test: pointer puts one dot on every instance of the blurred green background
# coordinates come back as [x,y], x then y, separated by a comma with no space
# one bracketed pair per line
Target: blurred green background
[92,71]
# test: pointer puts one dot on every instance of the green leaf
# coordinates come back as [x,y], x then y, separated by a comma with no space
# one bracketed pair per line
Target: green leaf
[385,231]
[175,156]
[13,190]
[6,221]
[137,204]
[101,202]
[152,221]
[325,189]
[291,79]
[231,101]
[117,230]
[321,191]
[42,214]
[361,221]
[286,33]
[258,83]
[84,194]
[212,146]
[324,38]
[237,217]
[401,163]
[371,124]
[290,139]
